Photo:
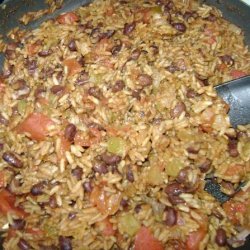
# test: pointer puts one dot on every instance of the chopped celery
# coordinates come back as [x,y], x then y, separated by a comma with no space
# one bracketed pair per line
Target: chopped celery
[155,176]
[116,145]
[21,107]
[173,167]
[128,224]
[156,10]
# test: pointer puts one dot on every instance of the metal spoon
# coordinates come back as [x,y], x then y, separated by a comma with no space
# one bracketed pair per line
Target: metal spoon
[236,94]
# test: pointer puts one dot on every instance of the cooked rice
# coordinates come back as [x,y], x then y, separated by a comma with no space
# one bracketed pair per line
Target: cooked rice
[140,96]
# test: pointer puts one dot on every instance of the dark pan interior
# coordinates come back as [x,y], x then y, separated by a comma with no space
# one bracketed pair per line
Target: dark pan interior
[233,10]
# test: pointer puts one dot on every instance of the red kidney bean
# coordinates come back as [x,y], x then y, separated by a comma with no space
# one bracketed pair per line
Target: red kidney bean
[173,191]
[137,208]
[205,166]
[203,81]
[7,72]
[183,175]
[135,54]
[12,159]
[72,45]
[124,203]
[211,18]
[52,201]
[130,175]
[194,149]
[23,244]
[232,147]
[57,90]
[172,68]
[109,33]
[227,59]
[178,110]
[3,121]
[44,53]
[221,237]
[96,92]
[191,93]
[37,189]
[145,80]
[96,126]
[100,167]
[70,132]
[227,187]
[169,5]
[118,86]
[155,49]
[18,224]
[171,216]
[39,92]
[1,146]
[72,216]
[83,78]
[111,159]
[77,173]
[128,28]
[46,73]
[65,243]
[31,66]
[10,50]
[116,49]
[87,186]
[187,15]
[137,94]
[181,27]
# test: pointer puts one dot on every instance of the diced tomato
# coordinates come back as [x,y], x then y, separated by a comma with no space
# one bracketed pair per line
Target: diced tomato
[232,208]
[43,101]
[34,231]
[7,204]
[11,233]
[33,48]
[235,169]
[36,124]
[194,239]
[73,66]
[110,11]
[105,203]
[2,87]
[2,179]
[211,40]
[65,146]
[145,240]
[67,18]
[106,227]
[237,73]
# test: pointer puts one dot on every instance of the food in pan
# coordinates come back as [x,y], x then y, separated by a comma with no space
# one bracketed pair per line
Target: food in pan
[110,127]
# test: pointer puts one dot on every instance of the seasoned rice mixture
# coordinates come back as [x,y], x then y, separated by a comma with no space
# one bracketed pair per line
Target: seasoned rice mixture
[109,127]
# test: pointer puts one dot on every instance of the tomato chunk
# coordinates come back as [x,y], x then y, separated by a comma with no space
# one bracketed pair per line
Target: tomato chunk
[232,208]
[7,204]
[65,146]
[145,240]
[73,66]
[106,227]
[36,124]
[104,202]
[194,239]
[2,181]
[67,18]
[237,73]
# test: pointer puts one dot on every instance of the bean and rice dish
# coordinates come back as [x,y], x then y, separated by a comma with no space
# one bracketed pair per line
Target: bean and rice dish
[110,127]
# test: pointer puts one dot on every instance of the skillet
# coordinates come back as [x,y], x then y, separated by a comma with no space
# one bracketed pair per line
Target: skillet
[234,11]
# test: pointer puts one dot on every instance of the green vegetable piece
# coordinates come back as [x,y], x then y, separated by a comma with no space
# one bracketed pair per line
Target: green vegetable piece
[21,107]
[173,167]
[156,10]
[129,224]
[116,145]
